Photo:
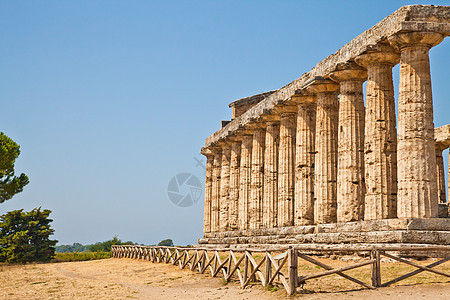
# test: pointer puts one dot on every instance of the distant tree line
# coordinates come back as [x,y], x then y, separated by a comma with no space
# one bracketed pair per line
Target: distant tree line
[75,247]
[102,246]
[97,247]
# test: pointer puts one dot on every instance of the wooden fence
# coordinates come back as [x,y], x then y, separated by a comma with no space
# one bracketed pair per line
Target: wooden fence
[278,266]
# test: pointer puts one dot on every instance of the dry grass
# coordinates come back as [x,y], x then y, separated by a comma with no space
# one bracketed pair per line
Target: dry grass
[128,278]
[334,283]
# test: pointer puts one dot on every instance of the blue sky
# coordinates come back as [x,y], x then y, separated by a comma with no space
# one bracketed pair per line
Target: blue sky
[111,99]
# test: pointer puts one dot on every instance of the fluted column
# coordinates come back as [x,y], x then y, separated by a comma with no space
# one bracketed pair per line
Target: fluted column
[417,187]
[350,168]
[270,202]
[245,180]
[286,177]
[304,160]
[380,145]
[325,163]
[234,184]
[440,173]
[208,190]
[257,178]
[224,187]
[215,190]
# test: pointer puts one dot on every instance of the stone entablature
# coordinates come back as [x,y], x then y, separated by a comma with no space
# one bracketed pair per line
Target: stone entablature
[427,18]
[304,156]
[240,106]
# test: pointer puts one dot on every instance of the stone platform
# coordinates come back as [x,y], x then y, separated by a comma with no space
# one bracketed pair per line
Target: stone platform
[431,231]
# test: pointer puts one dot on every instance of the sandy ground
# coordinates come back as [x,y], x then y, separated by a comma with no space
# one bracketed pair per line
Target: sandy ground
[136,279]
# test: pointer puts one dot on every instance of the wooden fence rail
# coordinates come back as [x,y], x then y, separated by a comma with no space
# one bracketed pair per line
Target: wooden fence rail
[282,268]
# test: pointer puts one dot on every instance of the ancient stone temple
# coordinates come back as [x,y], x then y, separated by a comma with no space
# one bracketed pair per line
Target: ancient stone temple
[317,161]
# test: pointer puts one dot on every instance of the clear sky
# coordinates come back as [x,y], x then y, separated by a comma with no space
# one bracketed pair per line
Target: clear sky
[111,99]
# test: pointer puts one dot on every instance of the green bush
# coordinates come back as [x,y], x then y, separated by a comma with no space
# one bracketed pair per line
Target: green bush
[167,243]
[106,245]
[25,237]
[75,247]
[81,256]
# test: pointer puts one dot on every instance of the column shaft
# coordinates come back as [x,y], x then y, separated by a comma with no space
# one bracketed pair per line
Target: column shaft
[208,190]
[257,179]
[350,180]
[234,184]
[270,203]
[215,193]
[440,175]
[286,170]
[325,205]
[304,163]
[380,146]
[417,187]
[224,188]
[245,180]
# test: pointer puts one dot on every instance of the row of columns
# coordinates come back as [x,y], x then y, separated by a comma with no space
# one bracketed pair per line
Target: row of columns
[326,159]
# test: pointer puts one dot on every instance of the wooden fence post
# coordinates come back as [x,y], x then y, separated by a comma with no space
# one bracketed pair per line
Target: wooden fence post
[253,277]
[293,271]
[376,271]
[245,265]
[268,273]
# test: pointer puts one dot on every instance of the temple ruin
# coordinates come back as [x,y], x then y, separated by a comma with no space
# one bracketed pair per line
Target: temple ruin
[313,162]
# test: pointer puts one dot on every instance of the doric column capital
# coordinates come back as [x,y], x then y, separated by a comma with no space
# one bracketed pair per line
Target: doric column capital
[415,39]
[440,147]
[348,71]
[377,55]
[235,139]
[255,126]
[302,97]
[206,152]
[215,149]
[224,144]
[321,85]
[271,116]
[285,110]
[247,137]
[243,131]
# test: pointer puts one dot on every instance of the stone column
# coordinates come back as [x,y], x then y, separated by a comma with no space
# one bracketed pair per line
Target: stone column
[304,159]
[257,178]
[380,145]
[440,173]
[245,180]
[325,163]
[350,173]
[208,190]
[286,176]
[234,184]
[215,189]
[270,203]
[417,187]
[224,187]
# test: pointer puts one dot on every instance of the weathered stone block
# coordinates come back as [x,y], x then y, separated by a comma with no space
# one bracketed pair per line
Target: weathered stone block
[443,210]
[430,224]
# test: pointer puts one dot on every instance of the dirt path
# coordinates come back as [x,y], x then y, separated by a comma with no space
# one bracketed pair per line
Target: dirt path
[133,279]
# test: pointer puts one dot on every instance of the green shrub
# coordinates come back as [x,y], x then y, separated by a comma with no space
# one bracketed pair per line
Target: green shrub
[81,256]
[106,245]
[167,243]
[25,237]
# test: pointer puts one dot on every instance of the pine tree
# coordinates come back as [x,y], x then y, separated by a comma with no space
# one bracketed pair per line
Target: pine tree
[25,237]
[9,183]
